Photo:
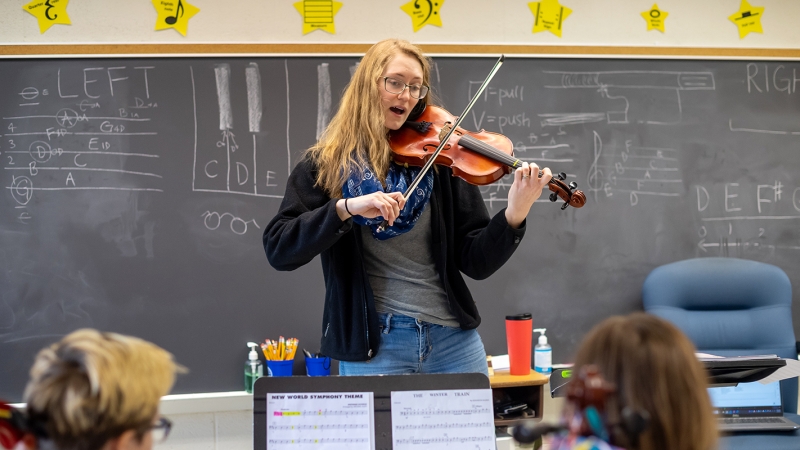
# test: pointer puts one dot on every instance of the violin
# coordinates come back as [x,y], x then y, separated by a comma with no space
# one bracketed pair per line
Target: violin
[479,158]
[592,409]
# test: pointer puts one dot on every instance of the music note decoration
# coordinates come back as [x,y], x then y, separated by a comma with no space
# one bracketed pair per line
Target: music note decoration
[747,19]
[549,15]
[318,15]
[48,13]
[174,14]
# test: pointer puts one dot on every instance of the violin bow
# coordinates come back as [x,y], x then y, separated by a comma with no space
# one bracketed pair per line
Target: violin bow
[429,163]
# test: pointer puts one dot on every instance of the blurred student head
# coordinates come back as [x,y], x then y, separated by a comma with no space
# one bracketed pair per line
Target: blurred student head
[655,372]
[99,391]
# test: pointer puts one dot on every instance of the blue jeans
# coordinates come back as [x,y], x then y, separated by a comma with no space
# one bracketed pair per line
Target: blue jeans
[409,345]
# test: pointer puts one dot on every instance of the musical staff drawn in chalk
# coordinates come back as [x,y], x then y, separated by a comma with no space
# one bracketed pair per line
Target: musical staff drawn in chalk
[69,146]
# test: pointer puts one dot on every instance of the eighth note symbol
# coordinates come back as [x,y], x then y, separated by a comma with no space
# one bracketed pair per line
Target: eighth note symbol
[171,20]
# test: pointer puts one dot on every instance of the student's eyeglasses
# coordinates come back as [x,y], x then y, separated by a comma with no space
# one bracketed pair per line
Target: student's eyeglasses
[160,429]
[395,86]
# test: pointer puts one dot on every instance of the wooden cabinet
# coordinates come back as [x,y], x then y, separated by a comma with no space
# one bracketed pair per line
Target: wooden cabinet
[525,388]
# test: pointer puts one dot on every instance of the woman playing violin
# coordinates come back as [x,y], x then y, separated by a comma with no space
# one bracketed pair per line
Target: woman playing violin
[396,300]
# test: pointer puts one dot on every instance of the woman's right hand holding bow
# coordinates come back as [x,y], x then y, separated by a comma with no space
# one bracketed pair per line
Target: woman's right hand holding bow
[372,205]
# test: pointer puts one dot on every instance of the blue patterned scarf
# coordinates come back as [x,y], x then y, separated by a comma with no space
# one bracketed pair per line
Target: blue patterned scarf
[397,180]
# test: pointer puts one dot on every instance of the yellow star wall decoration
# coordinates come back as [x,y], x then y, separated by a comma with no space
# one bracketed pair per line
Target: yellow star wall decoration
[318,15]
[655,18]
[425,12]
[748,19]
[48,13]
[548,15]
[174,14]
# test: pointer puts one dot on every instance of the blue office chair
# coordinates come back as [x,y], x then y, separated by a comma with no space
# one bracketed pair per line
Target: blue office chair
[728,307]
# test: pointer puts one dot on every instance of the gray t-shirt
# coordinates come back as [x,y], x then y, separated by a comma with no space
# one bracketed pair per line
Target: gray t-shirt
[403,277]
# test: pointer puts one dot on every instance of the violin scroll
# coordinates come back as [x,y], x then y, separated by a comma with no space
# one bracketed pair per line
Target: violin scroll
[567,192]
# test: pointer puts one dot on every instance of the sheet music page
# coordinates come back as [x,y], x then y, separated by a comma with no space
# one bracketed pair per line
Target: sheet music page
[462,419]
[790,370]
[321,420]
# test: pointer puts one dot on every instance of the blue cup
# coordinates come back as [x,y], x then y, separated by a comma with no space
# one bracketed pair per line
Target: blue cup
[280,368]
[318,367]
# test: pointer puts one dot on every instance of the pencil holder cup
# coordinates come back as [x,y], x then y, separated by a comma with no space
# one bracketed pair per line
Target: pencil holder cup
[318,367]
[280,368]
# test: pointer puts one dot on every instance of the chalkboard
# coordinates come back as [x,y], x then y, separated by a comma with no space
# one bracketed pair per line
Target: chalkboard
[137,190]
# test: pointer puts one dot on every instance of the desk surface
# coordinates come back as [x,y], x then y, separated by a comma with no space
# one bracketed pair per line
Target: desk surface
[503,379]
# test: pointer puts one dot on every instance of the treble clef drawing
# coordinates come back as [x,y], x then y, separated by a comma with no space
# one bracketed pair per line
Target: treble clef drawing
[595,178]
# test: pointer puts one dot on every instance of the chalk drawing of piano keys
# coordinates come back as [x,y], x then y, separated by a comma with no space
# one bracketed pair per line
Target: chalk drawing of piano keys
[635,96]
[227,162]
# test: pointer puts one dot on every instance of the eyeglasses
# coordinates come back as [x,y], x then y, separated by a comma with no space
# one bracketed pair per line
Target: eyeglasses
[395,86]
[161,429]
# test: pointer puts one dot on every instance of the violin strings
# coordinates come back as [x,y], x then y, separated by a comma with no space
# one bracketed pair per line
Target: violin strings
[487,150]
[490,151]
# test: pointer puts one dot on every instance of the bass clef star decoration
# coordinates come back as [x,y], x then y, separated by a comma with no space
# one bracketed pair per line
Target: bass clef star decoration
[424,12]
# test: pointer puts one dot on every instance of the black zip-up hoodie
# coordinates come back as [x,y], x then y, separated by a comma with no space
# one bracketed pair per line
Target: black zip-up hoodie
[466,240]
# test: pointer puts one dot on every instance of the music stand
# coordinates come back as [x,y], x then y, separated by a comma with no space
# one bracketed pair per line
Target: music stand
[731,371]
[381,386]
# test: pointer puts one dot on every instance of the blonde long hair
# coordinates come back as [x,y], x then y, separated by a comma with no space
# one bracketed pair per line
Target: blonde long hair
[653,366]
[357,134]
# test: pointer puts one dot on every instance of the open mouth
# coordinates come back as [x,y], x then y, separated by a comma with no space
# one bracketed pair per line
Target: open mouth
[397,110]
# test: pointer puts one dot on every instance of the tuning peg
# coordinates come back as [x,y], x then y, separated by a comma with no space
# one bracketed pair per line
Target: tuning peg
[564,206]
[573,185]
[553,197]
[562,176]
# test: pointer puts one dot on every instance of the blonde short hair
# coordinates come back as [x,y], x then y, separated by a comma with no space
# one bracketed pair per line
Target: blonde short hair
[93,386]
[653,366]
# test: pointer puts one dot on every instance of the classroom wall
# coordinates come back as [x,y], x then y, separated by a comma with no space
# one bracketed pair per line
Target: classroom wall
[593,23]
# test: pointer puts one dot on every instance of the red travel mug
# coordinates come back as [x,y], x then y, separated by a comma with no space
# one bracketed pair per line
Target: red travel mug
[519,334]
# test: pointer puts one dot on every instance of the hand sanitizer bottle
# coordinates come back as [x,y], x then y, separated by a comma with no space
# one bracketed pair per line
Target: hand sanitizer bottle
[542,353]
[253,368]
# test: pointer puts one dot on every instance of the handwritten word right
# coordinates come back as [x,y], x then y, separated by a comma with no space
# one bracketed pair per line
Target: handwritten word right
[778,77]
